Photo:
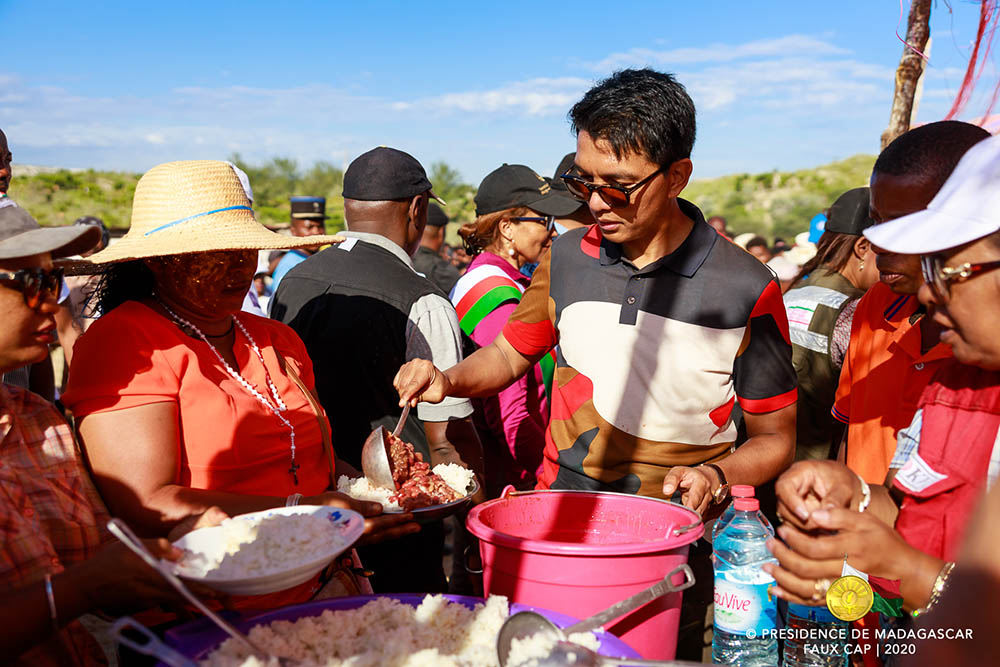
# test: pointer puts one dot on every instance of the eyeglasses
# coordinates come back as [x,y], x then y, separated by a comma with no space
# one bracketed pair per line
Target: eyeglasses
[549,221]
[615,196]
[36,284]
[940,277]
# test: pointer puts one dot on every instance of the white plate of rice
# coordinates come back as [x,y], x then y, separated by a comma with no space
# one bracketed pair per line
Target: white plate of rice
[268,551]
[457,477]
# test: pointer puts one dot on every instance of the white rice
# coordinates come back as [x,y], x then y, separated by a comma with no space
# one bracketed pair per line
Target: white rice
[361,488]
[529,651]
[384,632]
[251,547]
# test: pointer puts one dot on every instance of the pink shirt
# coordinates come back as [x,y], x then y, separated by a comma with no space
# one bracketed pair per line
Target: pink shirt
[512,423]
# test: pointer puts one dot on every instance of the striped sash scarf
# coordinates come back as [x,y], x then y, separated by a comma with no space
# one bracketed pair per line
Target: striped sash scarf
[481,291]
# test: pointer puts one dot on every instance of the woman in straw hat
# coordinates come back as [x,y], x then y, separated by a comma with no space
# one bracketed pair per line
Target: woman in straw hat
[55,564]
[182,401]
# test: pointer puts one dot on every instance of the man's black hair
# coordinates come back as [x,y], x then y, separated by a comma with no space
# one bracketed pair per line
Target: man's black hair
[639,111]
[757,241]
[929,152]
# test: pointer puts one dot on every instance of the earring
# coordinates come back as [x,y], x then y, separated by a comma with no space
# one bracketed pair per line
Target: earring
[861,264]
[510,251]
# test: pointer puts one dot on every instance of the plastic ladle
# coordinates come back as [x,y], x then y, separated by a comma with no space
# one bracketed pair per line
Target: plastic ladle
[119,529]
[375,454]
[528,623]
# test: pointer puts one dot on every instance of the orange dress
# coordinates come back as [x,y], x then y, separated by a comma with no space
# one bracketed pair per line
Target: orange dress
[228,441]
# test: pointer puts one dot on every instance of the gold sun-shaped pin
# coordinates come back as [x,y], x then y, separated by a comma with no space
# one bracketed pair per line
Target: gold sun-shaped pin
[849,598]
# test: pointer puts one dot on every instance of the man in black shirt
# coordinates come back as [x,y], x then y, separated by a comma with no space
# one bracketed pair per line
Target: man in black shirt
[427,261]
[363,310]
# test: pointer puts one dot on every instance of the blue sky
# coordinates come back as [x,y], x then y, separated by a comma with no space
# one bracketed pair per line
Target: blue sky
[126,85]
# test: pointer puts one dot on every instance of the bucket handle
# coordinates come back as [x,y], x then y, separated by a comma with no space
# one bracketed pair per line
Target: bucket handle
[686,529]
[465,562]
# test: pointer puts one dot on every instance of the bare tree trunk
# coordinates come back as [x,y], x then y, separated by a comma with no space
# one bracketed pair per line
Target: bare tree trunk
[911,66]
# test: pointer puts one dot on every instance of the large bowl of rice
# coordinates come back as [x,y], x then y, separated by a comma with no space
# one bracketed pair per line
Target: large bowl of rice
[399,630]
[268,551]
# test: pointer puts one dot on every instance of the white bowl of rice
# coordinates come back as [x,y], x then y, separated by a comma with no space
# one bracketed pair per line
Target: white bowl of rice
[268,551]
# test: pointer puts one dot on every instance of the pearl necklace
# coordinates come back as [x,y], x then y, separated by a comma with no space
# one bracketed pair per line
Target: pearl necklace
[276,408]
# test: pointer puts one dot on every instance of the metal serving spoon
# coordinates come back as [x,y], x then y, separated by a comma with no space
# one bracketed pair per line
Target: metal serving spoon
[566,654]
[119,529]
[375,454]
[528,623]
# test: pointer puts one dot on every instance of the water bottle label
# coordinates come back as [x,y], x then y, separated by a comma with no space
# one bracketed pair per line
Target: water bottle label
[740,608]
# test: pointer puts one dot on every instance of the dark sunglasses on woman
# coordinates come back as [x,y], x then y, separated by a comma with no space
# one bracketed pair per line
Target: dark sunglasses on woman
[549,221]
[35,284]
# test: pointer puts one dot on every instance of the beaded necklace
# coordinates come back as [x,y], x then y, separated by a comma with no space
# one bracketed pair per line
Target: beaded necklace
[276,408]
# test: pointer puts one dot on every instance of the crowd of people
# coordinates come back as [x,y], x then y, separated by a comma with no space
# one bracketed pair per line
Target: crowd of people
[596,332]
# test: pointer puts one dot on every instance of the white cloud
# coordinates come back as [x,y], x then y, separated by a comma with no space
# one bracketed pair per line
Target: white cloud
[718,53]
[788,83]
[533,97]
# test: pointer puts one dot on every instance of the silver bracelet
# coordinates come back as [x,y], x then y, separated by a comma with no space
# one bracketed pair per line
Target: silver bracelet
[52,601]
[866,492]
[293,500]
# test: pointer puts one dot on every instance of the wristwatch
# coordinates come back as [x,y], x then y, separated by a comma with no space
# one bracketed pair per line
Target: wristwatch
[720,493]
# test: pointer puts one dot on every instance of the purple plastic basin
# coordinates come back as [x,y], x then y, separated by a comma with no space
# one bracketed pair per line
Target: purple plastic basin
[199,638]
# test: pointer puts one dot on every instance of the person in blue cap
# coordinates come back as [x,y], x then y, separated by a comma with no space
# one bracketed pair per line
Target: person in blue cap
[308,216]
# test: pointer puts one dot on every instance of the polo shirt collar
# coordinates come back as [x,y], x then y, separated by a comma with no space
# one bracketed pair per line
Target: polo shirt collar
[381,242]
[687,258]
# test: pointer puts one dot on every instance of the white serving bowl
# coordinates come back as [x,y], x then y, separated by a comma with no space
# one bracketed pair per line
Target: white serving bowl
[210,542]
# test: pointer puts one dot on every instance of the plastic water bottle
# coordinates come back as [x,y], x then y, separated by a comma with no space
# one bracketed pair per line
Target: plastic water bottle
[736,491]
[746,611]
[816,638]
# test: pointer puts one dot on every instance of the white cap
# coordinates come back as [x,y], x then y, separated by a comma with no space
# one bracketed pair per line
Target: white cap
[783,267]
[965,209]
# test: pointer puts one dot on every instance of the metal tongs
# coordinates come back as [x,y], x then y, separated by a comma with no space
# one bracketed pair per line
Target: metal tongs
[119,529]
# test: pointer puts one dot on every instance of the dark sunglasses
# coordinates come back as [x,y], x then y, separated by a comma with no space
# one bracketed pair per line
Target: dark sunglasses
[36,285]
[615,196]
[940,277]
[549,221]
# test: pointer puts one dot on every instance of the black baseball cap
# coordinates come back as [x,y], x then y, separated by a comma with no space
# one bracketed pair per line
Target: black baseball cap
[564,165]
[385,174]
[308,208]
[22,236]
[849,214]
[436,217]
[513,185]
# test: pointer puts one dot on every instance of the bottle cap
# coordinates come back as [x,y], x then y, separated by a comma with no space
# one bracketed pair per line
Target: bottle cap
[741,491]
[746,504]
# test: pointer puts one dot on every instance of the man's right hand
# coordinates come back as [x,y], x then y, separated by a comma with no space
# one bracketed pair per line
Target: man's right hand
[419,381]
[811,485]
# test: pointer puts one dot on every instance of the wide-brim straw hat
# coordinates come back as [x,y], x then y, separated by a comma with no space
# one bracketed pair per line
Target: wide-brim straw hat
[189,207]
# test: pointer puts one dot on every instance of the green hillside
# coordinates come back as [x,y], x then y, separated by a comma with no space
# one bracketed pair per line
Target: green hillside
[778,203]
[773,204]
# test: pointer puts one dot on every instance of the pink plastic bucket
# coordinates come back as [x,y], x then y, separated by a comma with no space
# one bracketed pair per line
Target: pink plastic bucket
[579,552]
